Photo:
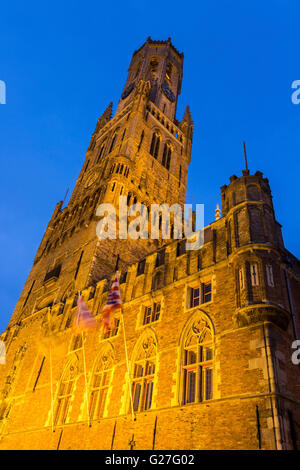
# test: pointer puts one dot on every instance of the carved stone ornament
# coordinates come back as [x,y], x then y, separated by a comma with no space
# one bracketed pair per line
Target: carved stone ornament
[262,313]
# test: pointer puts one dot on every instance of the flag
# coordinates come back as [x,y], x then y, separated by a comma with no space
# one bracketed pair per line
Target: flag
[85,319]
[113,301]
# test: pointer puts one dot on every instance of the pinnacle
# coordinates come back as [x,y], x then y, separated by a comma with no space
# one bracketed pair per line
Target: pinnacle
[187,117]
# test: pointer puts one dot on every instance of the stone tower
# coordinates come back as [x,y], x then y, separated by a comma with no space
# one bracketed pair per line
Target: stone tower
[141,152]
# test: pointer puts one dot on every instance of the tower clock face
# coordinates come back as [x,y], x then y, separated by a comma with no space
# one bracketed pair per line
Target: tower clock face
[127,91]
[168,92]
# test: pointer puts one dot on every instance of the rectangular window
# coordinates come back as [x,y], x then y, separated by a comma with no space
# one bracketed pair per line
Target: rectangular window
[123,277]
[254,274]
[142,388]
[136,395]
[148,395]
[206,292]
[93,402]
[191,386]
[160,258]
[156,312]
[195,297]
[198,263]
[191,357]
[152,313]
[270,278]
[208,354]
[139,371]
[141,267]
[147,316]
[200,295]
[208,383]
[198,374]
[181,248]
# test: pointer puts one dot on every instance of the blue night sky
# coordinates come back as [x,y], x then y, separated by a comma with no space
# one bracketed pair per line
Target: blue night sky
[63,62]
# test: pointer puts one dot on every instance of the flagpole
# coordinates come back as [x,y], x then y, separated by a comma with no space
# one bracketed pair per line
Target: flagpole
[127,362]
[79,327]
[113,303]
[125,343]
[85,380]
[126,351]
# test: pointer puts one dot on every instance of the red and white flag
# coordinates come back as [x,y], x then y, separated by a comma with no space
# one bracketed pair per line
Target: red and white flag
[84,319]
[113,301]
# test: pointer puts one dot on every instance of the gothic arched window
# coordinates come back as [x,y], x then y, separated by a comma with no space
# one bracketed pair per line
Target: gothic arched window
[65,392]
[141,140]
[113,142]
[153,66]
[160,258]
[100,383]
[157,280]
[101,151]
[154,147]
[136,70]
[169,71]
[144,374]
[166,159]
[197,369]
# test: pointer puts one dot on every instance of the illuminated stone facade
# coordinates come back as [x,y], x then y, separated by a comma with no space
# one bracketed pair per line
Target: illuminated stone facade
[209,331]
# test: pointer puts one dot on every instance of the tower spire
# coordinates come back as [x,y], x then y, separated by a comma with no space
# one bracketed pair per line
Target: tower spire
[106,116]
[187,121]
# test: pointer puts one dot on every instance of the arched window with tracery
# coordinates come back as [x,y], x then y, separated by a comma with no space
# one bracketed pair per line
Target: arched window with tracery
[113,141]
[100,383]
[65,392]
[197,363]
[154,147]
[144,374]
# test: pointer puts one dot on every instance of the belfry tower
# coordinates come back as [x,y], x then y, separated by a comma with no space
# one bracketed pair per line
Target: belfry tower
[209,361]
[141,152]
